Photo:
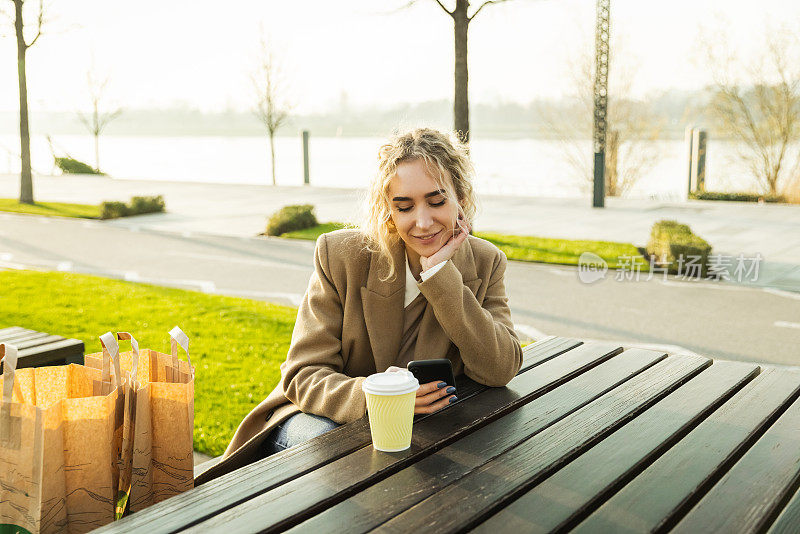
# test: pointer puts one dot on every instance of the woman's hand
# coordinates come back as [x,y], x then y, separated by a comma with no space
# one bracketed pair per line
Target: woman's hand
[448,249]
[431,397]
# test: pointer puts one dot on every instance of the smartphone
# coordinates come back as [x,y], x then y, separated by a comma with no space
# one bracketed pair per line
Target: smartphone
[425,371]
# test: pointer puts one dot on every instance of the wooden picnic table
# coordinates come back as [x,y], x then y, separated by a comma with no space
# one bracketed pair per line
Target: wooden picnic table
[37,349]
[588,438]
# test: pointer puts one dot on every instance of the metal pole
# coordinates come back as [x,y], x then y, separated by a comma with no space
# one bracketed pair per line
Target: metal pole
[688,137]
[305,157]
[699,140]
[602,30]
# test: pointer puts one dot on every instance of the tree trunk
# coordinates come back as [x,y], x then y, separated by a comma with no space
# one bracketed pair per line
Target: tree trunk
[612,150]
[772,180]
[96,132]
[272,155]
[26,180]
[461,74]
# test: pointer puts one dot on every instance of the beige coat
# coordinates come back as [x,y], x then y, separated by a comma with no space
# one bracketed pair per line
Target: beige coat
[350,323]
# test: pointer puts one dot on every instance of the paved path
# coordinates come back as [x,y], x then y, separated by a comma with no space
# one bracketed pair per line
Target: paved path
[719,320]
[732,228]
[240,210]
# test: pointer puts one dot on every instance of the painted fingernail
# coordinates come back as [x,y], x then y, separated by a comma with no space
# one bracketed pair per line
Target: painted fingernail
[453,399]
[441,385]
[451,389]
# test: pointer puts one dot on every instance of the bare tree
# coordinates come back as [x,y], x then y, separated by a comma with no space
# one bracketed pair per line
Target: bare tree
[762,108]
[98,119]
[272,109]
[461,20]
[631,150]
[26,178]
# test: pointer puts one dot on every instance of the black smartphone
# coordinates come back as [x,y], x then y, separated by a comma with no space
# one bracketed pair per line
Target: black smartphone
[425,371]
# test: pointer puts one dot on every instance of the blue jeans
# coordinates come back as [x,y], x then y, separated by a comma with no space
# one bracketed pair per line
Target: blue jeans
[298,428]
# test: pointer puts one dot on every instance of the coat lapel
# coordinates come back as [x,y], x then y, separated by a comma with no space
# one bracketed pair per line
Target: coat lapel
[383,308]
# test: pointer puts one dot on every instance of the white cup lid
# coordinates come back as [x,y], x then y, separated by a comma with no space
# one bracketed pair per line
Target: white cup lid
[394,383]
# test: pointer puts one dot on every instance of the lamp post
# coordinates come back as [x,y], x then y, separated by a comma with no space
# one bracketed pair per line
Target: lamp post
[602,31]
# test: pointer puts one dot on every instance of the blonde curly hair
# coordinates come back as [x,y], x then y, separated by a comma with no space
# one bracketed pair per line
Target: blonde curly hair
[444,156]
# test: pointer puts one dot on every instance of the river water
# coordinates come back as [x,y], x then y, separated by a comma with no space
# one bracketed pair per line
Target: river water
[525,167]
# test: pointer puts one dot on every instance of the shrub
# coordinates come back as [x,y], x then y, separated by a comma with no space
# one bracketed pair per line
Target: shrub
[674,245]
[73,166]
[735,197]
[291,218]
[138,206]
[113,210]
[147,205]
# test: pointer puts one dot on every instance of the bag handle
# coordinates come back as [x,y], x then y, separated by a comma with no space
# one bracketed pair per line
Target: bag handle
[124,336]
[9,357]
[177,337]
[110,353]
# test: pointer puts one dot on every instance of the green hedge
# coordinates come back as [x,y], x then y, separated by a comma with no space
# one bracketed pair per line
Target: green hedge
[141,205]
[290,219]
[137,206]
[735,197]
[114,210]
[73,166]
[670,241]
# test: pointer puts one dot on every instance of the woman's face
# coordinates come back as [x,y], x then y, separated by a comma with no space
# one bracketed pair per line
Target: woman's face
[424,218]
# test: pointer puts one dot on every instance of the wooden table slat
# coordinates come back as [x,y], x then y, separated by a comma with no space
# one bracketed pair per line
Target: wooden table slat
[483,491]
[69,350]
[296,500]
[789,519]
[38,342]
[647,504]
[19,337]
[542,351]
[10,331]
[256,478]
[567,496]
[749,496]
[381,501]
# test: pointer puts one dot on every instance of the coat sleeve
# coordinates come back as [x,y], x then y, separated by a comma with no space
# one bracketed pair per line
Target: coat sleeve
[312,376]
[483,333]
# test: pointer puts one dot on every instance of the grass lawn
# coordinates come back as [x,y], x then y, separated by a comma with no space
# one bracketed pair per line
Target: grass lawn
[83,211]
[565,251]
[526,248]
[237,345]
[314,232]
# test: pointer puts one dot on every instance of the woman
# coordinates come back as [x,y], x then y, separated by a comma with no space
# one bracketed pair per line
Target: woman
[411,284]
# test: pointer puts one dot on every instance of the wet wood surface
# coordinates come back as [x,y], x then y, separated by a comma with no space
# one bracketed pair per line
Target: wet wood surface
[588,437]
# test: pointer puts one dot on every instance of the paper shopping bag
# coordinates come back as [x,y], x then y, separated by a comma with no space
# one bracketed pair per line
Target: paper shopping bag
[162,426]
[60,439]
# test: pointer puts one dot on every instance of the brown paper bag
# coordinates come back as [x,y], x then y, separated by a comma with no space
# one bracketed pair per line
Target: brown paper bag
[162,463]
[60,439]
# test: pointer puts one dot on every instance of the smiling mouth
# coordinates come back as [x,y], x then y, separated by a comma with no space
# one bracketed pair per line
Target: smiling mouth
[427,238]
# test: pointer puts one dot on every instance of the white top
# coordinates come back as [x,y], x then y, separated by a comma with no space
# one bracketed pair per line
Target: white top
[411,283]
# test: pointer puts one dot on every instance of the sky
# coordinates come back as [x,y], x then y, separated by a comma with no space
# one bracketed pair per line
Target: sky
[201,54]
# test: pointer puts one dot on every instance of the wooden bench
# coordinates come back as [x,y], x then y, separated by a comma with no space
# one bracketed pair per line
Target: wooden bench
[37,349]
[588,436]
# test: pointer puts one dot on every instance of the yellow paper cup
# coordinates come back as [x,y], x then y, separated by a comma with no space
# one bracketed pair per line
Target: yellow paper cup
[390,405]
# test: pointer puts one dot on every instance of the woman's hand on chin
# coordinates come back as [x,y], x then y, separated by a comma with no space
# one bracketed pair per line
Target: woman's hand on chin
[448,249]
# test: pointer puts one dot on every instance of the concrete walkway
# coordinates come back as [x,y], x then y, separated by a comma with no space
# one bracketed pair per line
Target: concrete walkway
[732,228]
